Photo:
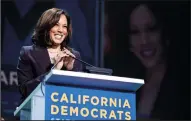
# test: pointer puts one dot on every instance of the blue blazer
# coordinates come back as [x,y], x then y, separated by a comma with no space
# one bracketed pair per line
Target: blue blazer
[33,62]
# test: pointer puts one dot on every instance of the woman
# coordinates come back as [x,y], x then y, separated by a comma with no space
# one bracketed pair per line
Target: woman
[149,42]
[144,32]
[146,44]
[50,46]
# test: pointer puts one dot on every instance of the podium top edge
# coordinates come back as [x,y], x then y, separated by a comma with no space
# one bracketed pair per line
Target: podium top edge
[96,76]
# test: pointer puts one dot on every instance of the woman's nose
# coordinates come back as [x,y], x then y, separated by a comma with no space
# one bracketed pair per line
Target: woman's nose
[144,37]
[60,29]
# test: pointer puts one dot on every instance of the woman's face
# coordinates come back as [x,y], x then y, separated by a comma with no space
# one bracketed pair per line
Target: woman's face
[59,32]
[145,36]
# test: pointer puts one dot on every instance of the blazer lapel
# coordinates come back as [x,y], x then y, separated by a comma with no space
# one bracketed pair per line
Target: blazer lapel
[42,59]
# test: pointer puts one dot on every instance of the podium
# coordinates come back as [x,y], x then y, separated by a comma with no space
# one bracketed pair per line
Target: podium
[68,95]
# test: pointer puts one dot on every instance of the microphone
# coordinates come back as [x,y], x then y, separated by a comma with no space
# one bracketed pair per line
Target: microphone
[78,58]
[82,61]
[93,69]
[75,59]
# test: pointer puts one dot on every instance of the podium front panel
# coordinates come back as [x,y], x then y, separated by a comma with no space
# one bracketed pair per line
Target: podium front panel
[73,103]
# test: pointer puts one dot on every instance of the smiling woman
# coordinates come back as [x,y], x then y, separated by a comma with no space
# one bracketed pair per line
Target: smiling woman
[50,39]
[142,36]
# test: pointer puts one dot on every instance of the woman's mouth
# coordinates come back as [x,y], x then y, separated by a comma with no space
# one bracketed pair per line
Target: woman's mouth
[58,36]
[148,52]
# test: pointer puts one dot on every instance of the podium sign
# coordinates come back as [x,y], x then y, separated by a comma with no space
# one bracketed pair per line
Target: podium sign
[69,103]
[67,95]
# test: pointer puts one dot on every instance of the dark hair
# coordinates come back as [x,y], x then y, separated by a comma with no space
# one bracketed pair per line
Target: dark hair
[159,10]
[119,15]
[48,20]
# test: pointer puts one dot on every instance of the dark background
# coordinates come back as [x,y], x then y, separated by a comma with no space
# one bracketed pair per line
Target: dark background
[176,15]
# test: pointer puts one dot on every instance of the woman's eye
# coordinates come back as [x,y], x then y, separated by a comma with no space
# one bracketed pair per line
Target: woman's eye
[152,28]
[134,32]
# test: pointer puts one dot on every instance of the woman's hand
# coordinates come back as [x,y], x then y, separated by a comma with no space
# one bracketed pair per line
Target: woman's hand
[65,58]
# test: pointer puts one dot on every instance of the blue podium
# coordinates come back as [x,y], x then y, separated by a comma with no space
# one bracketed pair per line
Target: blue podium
[67,95]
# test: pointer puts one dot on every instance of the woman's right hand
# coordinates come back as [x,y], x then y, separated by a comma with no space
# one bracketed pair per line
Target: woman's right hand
[60,57]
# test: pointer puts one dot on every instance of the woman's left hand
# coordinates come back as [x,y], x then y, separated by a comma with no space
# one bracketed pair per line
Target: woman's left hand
[68,61]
